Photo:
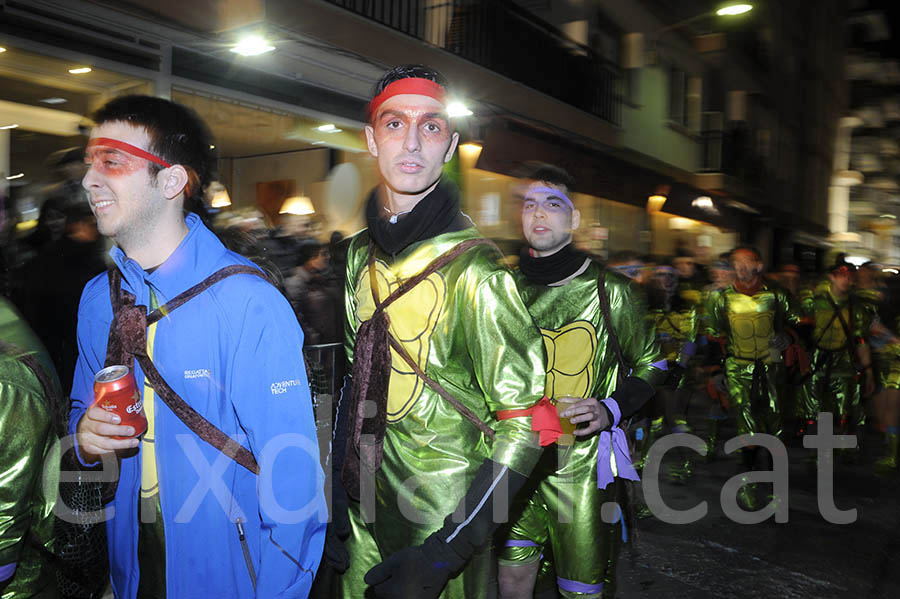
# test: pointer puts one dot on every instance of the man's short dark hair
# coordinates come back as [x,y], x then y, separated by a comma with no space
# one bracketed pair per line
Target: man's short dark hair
[177,135]
[405,71]
[549,173]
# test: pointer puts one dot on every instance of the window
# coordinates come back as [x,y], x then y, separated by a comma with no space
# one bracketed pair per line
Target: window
[678,96]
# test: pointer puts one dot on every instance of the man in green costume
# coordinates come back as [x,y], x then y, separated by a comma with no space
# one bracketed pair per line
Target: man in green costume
[752,315]
[28,390]
[432,320]
[566,511]
[841,322]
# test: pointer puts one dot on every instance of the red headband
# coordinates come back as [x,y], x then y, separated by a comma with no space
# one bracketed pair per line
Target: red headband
[410,85]
[128,148]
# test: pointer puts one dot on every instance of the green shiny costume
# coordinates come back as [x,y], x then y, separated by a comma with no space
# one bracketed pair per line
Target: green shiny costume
[833,386]
[469,330]
[885,352]
[28,440]
[749,324]
[677,327]
[565,507]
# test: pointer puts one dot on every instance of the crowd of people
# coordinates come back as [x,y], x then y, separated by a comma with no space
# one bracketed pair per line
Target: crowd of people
[491,416]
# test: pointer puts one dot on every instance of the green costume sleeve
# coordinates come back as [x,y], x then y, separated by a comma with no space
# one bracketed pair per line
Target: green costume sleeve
[792,312]
[351,323]
[716,318]
[26,433]
[628,308]
[508,355]
[861,318]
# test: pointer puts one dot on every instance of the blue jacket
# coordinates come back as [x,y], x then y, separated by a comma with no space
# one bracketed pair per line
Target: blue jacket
[234,354]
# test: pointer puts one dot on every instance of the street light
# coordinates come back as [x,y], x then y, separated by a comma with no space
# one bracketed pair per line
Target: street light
[734,9]
[728,10]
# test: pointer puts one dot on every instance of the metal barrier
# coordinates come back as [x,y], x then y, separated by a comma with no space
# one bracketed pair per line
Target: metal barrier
[326,366]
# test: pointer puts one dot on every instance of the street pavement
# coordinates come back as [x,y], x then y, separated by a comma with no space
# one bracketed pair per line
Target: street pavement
[805,557]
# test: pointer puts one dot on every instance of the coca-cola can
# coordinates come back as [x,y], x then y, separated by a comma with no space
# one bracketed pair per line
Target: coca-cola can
[115,390]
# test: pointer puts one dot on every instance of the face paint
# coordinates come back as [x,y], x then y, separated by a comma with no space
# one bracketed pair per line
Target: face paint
[632,271]
[538,193]
[395,122]
[114,158]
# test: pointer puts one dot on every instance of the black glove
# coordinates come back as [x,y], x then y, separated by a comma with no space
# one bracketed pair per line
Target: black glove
[422,571]
[631,394]
[338,530]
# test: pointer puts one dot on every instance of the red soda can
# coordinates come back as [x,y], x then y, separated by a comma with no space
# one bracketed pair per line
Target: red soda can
[115,390]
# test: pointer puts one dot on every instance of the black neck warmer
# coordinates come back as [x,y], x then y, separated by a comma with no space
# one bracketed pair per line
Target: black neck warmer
[436,213]
[553,268]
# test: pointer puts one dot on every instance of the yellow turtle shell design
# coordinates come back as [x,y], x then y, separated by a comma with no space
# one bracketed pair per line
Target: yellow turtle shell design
[413,318]
[751,330]
[834,336]
[570,359]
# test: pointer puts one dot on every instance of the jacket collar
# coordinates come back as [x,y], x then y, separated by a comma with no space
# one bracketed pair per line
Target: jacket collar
[193,260]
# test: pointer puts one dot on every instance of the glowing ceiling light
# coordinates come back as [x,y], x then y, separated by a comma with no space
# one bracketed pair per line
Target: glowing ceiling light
[456,109]
[655,203]
[80,70]
[221,199]
[54,100]
[12,126]
[18,176]
[734,9]
[299,205]
[252,45]
[2,49]
[329,128]
[703,202]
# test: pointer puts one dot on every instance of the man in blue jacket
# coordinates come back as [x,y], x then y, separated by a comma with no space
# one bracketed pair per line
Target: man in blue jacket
[187,520]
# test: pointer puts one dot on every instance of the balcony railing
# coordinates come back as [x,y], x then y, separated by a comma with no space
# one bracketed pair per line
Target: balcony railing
[729,150]
[508,40]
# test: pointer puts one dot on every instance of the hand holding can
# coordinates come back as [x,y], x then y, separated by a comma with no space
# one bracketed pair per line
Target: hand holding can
[116,392]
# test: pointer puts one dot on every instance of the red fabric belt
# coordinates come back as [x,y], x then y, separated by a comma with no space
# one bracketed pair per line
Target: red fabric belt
[544,420]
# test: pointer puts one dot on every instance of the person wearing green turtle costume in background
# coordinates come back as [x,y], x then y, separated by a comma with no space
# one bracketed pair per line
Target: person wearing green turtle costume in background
[752,316]
[29,417]
[559,285]
[840,352]
[885,347]
[674,313]
[432,318]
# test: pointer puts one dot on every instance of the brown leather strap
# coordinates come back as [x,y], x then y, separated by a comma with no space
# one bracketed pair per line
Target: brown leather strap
[184,296]
[406,286]
[199,425]
[123,302]
[436,264]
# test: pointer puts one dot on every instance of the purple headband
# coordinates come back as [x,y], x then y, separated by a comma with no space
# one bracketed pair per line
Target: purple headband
[551,190]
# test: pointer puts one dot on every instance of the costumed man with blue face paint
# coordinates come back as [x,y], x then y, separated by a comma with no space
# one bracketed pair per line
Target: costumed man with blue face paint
[563,289]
